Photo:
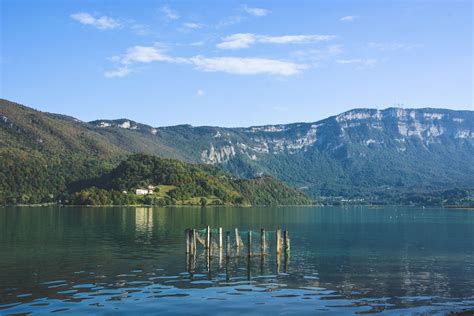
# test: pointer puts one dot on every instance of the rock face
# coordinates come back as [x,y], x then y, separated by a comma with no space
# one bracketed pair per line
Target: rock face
[360,152]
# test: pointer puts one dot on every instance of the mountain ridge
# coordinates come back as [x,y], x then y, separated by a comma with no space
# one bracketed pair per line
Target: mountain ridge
[359,153]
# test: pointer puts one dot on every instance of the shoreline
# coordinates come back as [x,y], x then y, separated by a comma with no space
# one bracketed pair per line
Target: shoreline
[370,206]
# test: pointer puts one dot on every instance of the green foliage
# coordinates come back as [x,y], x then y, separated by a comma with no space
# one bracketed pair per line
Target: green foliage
[185,184]
[268,191]
[45,157]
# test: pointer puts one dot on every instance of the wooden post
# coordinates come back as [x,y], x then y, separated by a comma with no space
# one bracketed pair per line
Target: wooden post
[220,237]
[237,243]
[278,241]
[208,237]
[193,241]
[286,242]
[262,241]
[249,241]
[209,249]
[188,240]
[227,246]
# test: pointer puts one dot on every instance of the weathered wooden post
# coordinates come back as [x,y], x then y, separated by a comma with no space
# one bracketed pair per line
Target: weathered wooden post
[193,241]
[220,237]
[209,249]
[208,237]
[286,242]
[249,241]
[278,241]
[237,238]
[262,241]
[188,240]
[227,245]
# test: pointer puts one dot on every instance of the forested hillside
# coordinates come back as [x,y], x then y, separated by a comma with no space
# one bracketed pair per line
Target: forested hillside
[176,182]
[381,156]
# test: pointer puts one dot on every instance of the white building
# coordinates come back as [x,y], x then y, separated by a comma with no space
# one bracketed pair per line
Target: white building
[141,191]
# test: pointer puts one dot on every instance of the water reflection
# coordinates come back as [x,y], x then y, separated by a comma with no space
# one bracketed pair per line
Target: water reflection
[144,224]
[342,261]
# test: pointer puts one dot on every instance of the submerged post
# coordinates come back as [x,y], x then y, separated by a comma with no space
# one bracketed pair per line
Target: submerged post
[227,245]
[262,241]
[278,241]
[237,243]
[208,237]
[286,242]
[188,240]
[249,241]
[220,237]
[193,241]
[209,249]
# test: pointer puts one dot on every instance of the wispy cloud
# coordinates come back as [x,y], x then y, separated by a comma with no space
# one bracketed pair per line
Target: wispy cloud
[192,25]
[232,65]
[198,43]
[390,46]
[349,18]
[140,29]
[169,13]
[358,61]
[146,54]
[200,93]
[245,40]
[247,66]
[118,72]
[231,20]
[258,12]
[102,23]
[319,54]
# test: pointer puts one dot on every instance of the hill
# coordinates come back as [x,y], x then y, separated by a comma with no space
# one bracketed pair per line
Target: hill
[169,181]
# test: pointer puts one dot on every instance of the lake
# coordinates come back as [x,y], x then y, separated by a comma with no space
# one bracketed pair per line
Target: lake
[132,260]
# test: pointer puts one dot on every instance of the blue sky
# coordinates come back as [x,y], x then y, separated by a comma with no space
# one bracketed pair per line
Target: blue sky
[234,63]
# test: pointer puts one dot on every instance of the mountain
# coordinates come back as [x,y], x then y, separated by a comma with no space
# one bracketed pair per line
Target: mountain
[362,153]
[176,182]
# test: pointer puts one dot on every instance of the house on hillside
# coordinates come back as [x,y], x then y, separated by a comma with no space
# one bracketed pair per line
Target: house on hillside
[144,191]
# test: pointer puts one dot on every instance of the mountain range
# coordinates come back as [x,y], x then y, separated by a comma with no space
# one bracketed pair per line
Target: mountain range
[362,153]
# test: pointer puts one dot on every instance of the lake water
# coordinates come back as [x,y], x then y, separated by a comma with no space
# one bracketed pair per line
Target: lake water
[132,260]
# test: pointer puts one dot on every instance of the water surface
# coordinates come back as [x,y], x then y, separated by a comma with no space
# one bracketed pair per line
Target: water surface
[132,260]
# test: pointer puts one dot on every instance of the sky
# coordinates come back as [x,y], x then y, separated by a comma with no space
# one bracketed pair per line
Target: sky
[234,63]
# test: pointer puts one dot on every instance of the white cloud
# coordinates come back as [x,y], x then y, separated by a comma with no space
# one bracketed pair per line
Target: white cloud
[349,18]
[319,54]
[140,29]
[119,72]
[245,40]
[258,12]
[102,23]
[231,20]
[295,39]
[144,54]
[198,43]
[231,65]
[169,13]
[390,46]
[357,61]
[200,93]
[192,25]
[236,41]
[247,66]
